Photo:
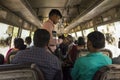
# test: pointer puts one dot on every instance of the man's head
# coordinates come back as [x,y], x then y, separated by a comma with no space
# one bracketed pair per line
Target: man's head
[28,40]
[55,15]
[41,38]
[96,40]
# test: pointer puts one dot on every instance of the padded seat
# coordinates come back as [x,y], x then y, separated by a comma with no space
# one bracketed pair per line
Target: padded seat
[110,72]
[20,72]
[107,52]
[83,52]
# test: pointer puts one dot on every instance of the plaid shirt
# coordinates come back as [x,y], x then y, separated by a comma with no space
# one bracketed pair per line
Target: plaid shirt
[47,62]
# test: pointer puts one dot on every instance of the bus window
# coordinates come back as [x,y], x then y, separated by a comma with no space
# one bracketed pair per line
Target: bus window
[79,33]
[15,32]
[112,29]
[24,33]
[73,35]
[117,31]
[32,35]
[117,26]
[87,31]
[102,29]
[5,37]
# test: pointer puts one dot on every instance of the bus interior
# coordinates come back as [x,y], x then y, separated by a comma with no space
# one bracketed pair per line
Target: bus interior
[21,18]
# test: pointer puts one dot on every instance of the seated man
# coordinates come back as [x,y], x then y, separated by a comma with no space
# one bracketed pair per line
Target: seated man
[39,54]
[28,41]
[116,60]
[86,66]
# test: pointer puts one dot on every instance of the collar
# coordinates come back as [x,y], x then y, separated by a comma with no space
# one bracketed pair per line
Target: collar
[94,53]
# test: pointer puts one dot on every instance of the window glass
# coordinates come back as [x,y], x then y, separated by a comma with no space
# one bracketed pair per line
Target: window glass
[25,33]
[5,37]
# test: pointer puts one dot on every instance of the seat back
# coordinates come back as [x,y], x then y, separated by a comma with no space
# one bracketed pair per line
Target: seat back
[107,52]
[20,72]
[83,52]
[110,72]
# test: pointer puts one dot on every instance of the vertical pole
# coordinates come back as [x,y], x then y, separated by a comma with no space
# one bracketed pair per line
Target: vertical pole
[20,30]
[30,30]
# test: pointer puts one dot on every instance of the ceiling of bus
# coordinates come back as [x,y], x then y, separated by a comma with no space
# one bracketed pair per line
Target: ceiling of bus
[70,9]
[74,11]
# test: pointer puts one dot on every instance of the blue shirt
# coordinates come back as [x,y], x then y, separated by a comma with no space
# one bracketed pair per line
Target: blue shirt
[86,66]
[46,61]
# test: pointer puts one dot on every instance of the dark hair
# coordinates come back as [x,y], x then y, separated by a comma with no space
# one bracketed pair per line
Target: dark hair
[28,40]
[19,43]
[1,59]
[70,38]
[97,39]
[55,12]
[61,37]
[81,41]
[41,38]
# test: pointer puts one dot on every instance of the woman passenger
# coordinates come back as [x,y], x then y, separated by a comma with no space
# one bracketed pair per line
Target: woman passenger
[18,45]
[74,52]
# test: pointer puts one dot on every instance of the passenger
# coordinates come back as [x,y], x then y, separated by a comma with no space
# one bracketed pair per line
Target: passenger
[54,17]
[52,46]
[116,60]
[64,47]
[72,55]
[70,43]
[18,45]
[86,66]
[67,44]
[60,39]
[1,59]
[58,51]
[76,49]
[38,54]
[65,66]
[28,41]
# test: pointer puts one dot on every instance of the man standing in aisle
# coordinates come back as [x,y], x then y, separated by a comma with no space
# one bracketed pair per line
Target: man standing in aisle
[54,16]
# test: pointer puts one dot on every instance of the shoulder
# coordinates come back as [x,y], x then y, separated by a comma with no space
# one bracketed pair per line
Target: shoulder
[47,23]
[13,52]
[23,52]
[81,59]
[19,54]
[53,60]
[52,57]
